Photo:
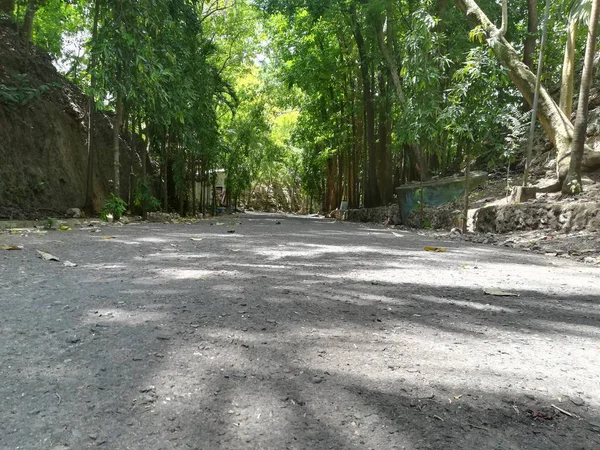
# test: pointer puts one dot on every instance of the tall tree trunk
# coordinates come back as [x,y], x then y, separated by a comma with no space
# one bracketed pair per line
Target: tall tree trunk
[567,85]
[330,193]
[532,28]
[89,189]
[27,30]
[7,7]
[390,61]
[536,96]
[166,172]
[372,195]
[557,126]
[116,145]
[194,185]
[504,26]
[383,165]
[572,184]
[145,151]
[340,179]
[134,154]
[465,221]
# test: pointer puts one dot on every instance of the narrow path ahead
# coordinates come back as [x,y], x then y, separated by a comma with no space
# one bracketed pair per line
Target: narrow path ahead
[305,334]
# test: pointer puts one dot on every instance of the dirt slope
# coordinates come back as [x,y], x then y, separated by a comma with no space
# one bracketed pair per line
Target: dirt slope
[43,150]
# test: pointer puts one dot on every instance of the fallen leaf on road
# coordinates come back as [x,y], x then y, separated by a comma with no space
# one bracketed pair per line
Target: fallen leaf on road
[436,249]
[10,247]
[47,256]
[69,264]
[539,415]
[65,228]
[500,293]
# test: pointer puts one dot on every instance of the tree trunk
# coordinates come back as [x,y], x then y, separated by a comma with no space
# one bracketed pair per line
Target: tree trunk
[166,172]
[504,26]
[330,194]
[27,30]
[567,86]
[466,205]
[383,163]
[372,196]
[7,7]
[532,28]
[89,191]
[116,148]
[391,64]
[572,184]
[194,193]
[145,151]
[536,96]
[557,126]
[339,190]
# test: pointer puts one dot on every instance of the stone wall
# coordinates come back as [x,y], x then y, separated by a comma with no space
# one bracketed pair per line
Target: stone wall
[375,215]
[567,217]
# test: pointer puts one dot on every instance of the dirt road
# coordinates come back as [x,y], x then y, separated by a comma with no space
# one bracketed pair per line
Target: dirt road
[303,334]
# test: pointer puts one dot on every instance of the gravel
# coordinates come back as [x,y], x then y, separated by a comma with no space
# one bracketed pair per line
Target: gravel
[310,334]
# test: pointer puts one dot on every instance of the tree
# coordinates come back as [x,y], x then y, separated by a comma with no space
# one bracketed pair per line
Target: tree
[27,29]
[577,14]
[557,126]
[572,184]
[532,28]
[7,7]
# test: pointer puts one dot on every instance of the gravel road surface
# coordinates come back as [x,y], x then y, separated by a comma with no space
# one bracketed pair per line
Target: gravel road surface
[275,332]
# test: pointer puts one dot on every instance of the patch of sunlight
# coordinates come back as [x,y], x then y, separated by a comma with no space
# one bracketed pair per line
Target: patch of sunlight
[185,274]
[107,316]
[171,256]
[123,241]
[260,266]
[105,266]
[153,240]
[376,230]
[157,293]
[568,329]
[464,303]
[317,250]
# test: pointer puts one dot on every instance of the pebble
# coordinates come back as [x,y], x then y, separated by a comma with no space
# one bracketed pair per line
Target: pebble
[577,401]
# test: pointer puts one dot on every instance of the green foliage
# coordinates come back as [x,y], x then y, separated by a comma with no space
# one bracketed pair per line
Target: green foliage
[114,206]
[20,92]
[272,91]
[475,105]
[143,198]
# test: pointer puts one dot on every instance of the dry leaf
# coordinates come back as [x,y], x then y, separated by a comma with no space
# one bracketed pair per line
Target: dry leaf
[47,256]
[69,264]
[436,249]
[500,293]
[10,247]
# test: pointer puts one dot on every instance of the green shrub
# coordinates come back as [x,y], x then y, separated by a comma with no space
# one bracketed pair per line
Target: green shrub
[143,197]
[115,206]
